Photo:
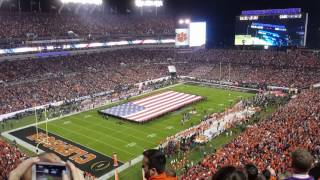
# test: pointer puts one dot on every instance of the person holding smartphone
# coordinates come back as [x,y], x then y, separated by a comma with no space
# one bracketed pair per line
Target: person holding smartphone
[44,166]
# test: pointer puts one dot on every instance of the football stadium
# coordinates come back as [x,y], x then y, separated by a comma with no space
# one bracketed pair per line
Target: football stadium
[159,90]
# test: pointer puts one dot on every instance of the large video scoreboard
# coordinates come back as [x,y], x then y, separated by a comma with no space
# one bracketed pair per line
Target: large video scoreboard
[282,27]
[193,36]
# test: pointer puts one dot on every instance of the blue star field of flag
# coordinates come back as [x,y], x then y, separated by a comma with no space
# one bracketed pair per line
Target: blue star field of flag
[123,109]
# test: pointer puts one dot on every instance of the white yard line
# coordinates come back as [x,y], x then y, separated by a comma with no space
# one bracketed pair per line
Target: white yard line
[88,137]
[100,125]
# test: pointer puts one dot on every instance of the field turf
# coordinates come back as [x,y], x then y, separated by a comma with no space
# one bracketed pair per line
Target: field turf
[130,139]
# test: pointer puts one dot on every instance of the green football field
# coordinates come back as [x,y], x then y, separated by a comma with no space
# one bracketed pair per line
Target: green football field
[128,139]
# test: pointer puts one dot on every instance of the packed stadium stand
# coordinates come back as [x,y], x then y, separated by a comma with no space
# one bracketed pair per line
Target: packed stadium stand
[10,157]
[53,79]
[19,25]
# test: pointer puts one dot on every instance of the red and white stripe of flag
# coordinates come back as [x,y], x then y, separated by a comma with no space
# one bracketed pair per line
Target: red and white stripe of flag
[161,104]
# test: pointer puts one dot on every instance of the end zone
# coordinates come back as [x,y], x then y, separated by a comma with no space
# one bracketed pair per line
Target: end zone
[84,158]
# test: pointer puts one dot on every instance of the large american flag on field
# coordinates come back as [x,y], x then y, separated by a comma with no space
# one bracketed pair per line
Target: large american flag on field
[151,107]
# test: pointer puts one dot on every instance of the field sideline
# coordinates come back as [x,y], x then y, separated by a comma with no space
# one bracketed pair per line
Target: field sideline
[128,139]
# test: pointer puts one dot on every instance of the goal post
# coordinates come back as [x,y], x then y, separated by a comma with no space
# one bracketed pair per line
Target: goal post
[46,139]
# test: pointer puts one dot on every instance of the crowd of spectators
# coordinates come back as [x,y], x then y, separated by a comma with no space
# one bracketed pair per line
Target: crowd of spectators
[280,68]
[270,142]
[34,82]
[268,75]
[301,163]
[50,25]
[10,157]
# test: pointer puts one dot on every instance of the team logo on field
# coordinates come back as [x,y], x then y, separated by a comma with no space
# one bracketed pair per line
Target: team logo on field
[99,166]
[77,154]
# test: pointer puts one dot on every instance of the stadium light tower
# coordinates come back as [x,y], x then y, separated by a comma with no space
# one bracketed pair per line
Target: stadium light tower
[184,21]
[149,3]
[94,2]
[80,2]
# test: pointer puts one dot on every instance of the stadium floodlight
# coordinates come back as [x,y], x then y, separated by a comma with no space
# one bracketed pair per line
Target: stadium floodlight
[94,2]
[149,3]
[184,21]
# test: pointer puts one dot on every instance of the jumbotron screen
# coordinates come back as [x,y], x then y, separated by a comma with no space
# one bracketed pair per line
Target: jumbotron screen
[274,30]
[198,33]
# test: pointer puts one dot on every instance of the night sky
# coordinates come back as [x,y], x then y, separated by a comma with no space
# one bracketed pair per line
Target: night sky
[219,14]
